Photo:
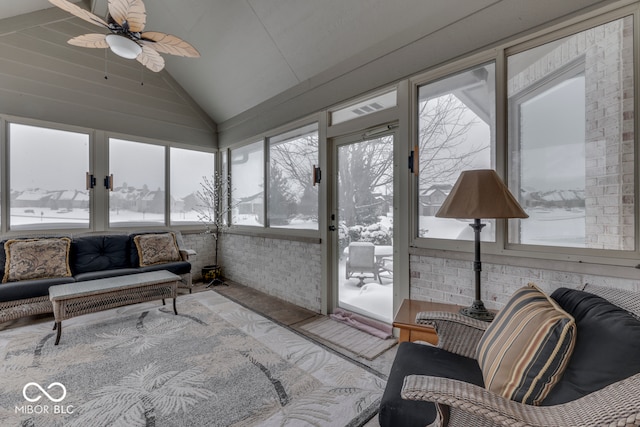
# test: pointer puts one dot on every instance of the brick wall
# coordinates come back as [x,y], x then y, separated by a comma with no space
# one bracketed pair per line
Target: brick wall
[609,195]
[452,281]
[204,245]
[289,270]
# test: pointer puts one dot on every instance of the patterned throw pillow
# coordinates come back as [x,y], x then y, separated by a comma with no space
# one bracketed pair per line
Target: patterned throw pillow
[524,352]
[36,259]
[156,248]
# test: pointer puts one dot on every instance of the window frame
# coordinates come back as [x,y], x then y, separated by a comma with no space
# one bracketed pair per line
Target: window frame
[167,145]
[5,172]
[429,77]
[216,166]
[138,225]
[564,258]
[307,235]
[98,166]
[493,146]
[283,137]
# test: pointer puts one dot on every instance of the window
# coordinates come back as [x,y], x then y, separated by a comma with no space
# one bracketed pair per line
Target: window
[247,184]
[293,198]
[138,194]
[571,138]
[47,178]
[456,132]
[188,169]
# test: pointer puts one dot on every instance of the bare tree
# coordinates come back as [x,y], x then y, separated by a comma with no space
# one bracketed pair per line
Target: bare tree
[214,205]
[294,161]
[444,124]
[365,170]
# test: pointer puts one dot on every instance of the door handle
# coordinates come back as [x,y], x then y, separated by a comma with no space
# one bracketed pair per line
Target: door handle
[332,228]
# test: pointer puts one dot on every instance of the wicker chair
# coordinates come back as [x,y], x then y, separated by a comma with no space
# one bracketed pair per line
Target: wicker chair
[463,404]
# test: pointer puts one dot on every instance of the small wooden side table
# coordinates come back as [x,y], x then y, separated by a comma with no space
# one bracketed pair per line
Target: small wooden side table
[405,320]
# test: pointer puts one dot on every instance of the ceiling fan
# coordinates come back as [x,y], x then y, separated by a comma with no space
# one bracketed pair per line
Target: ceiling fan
[125,21]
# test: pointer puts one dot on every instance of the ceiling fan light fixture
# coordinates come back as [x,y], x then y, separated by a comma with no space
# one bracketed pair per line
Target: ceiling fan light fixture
[123,47]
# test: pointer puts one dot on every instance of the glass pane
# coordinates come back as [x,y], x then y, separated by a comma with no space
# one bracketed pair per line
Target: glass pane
[138,196]
[572,138]
[247,184]
[456,132]
[48,178]
[224,164]
[188,171]
[365,227]
[364,108]
[293,199]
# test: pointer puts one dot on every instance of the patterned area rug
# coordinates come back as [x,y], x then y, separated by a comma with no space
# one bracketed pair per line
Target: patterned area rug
[214,364]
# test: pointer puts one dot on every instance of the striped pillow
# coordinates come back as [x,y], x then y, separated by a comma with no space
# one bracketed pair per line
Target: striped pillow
[524,352]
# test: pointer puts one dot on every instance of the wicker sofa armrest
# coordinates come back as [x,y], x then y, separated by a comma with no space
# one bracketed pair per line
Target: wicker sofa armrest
[186,253]
[615,405]
[456,333]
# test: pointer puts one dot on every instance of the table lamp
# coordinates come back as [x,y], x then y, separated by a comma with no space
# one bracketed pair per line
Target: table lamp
[479,194]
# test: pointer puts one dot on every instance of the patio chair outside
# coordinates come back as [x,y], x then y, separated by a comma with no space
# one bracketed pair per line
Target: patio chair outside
[362,260]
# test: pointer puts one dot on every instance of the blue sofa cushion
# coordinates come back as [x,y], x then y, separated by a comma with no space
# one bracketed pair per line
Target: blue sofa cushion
[26,289]
[420,359]
[607,346]
[97,253]
[102,274]
[178,267]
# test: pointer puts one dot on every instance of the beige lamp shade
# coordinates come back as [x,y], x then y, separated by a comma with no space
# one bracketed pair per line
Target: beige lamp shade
[480,194]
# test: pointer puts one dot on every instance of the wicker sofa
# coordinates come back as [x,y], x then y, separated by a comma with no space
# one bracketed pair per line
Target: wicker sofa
[89,256]
[444,385]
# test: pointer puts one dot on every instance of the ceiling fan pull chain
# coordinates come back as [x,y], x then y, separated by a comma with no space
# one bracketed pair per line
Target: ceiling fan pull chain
[105,64]
[141,76]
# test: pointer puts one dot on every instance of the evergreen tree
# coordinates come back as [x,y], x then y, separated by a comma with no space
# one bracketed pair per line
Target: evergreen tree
[282,203]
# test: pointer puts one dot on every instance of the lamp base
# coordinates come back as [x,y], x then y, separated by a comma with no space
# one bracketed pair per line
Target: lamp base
[478,311]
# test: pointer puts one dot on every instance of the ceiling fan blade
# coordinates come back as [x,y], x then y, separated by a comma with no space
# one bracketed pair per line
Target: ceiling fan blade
[132,11]
[168,43]
[90,40]
[151,59]
[79,12]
